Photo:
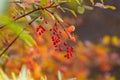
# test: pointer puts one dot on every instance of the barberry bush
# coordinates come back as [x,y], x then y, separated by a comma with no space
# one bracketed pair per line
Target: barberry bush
[35,33]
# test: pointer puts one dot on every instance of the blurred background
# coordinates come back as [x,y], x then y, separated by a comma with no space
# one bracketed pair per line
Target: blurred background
[96,55]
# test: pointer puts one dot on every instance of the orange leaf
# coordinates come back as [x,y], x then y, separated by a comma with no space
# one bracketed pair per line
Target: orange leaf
[70,28]
[72,38]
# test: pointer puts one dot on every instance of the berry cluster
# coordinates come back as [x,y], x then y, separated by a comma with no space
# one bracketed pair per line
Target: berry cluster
[70,51]
[56,36]
[58,44]
[40,30]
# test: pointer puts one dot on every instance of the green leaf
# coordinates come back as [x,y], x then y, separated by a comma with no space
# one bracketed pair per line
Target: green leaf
[16,29]
[58,17]
[3,6]
[55,1]
[27,38]
[21,7]
[78,1]
[72,11]
[43,3]
[80,9]
[88,7]
[59,75]
[61,9]
[81,1]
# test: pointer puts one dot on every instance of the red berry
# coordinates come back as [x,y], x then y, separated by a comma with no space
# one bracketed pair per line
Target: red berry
[14,17]
[72,49]
[50,29]
[60,49]
[56,24]
[46,22]
[41,17]
[67,56]
[56,46]
[37,29]
[39,33]
[54,43]
[65,44]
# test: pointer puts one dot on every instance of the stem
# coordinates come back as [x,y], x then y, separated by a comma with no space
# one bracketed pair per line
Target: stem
[59,23]
[26,14]
[11,43]
[51,6]
[32,21]
[31,13]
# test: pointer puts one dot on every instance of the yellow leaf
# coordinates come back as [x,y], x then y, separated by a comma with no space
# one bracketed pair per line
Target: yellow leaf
[106,39]
[115,40]
[110,7]
[92,1]
[102,1]
[112,78]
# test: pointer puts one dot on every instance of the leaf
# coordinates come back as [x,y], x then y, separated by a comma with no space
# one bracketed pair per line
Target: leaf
[72,38]
[43,3]
[3,6]
[55,1]
[13,76]
[59,75]
[81,1]
[16,29]
[115,40]
[102,1]
[29,1]
[27,38]
[92,1]
[110,7]
[80,9]
[88,7]
[61,9]
[21,6]
[72,79]
[70,28]
[51,15]
[3,76]
[78,1]
[23,73]
[72,11]
[58,17]
[106,39]
[100,5]
[43,78]
[26,5]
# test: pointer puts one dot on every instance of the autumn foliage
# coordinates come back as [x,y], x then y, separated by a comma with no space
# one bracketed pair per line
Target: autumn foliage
[34,33]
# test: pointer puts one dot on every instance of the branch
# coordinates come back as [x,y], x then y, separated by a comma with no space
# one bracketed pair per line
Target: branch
[11,43]
[59,23]
[27,14]
[32,21]
[51,6]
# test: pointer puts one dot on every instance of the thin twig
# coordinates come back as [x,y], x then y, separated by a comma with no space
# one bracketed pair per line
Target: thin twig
[24,28]
[31,13]
[11,43]
[27,14]
[33,20]
[59,23]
